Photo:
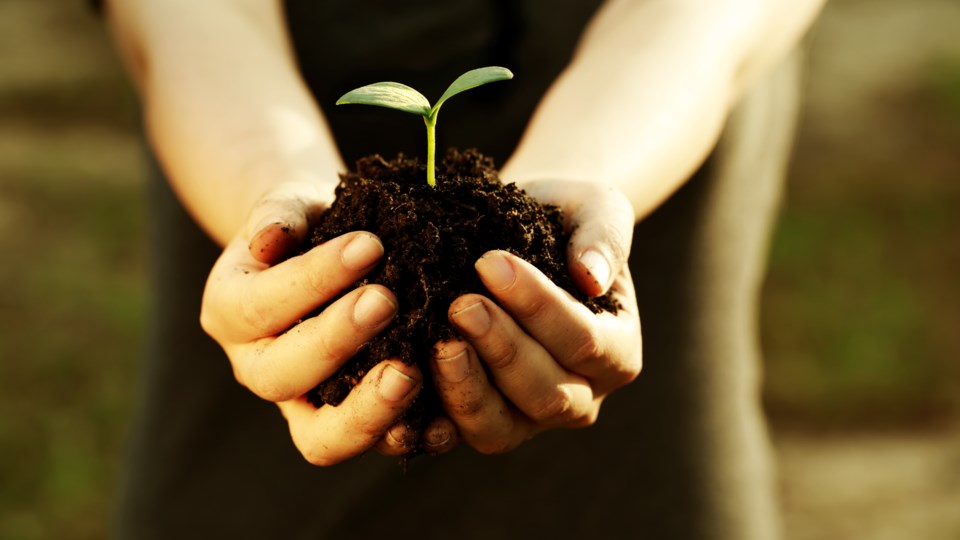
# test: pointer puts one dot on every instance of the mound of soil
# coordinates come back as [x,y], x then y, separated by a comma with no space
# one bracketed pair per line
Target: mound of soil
[433,237]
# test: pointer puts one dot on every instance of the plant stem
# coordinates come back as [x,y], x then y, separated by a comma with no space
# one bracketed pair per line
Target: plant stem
[431,122]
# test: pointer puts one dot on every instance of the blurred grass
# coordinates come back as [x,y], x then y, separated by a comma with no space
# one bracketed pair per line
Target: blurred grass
[71,318]
[860,308]
[71,310]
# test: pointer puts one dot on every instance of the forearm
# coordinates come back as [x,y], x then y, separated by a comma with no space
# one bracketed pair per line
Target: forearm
[225,108]
[645,98]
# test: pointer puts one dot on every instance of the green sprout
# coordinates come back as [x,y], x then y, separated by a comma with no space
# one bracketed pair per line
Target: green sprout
[403,98]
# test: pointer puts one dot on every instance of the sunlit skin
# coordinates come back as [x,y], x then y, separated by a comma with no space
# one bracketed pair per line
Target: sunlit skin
[252,158]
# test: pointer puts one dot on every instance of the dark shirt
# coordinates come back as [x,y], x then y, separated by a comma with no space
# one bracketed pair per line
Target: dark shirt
[210,460]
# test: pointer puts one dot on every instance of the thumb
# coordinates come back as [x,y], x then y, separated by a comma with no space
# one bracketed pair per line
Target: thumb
[600,243]
[280,221]
[602,221]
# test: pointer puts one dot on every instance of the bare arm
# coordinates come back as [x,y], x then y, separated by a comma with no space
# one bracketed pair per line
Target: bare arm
[233,124]
[638,109]
[644,100]
[241,141]
[226,109]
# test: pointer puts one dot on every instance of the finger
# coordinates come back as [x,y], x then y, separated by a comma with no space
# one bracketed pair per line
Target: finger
[602,347]
[277,240]
[279,222]
[329,435]
[439,437]
[602,221]
[521,369]
[253,301]
[483,419]
[399,440]
[600,243]
[291,364]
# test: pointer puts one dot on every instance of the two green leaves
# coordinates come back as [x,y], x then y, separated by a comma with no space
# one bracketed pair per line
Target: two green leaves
[401,97]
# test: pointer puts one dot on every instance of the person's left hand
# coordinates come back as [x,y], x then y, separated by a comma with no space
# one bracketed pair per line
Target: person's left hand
[534,358]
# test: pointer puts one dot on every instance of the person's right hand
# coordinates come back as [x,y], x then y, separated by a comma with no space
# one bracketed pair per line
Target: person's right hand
[256,311]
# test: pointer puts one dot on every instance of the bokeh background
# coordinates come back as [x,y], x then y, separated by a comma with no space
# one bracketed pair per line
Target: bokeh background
[861,325]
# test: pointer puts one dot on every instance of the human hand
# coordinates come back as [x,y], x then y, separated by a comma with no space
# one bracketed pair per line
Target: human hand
[537,358]
[255,306]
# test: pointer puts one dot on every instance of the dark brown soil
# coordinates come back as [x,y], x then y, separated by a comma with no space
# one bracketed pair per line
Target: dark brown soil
[432,238]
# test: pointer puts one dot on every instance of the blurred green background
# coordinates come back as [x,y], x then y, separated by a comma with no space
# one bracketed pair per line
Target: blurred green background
[860,325]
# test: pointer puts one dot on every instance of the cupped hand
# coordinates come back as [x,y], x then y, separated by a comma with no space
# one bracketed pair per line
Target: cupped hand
[257,307]
[534,358]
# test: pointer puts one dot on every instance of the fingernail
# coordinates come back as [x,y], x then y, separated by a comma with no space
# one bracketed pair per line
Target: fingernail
[398,436]
[496,271]
[437,437]
[266,222]
[372,308]
[361,252]
[597,265]
[256,240]
[454,369]
[393,439]
[395,385]
[473,319]
[265,228]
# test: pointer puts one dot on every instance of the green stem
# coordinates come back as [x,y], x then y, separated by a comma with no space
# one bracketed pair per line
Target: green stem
[431,122]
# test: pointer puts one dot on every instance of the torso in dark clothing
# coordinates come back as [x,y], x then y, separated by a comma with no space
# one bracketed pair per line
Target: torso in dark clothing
[210,460]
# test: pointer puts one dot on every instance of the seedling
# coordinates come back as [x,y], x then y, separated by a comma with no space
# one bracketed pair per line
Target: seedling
[401,97]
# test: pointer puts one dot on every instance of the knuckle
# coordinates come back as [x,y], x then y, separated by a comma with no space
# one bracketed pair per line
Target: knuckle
[370,425]
[467,407]
[590,350]
[270,392]
[331,350]
[627,370]
[317,455]
[503,357]
[622,378]
[370,431]
[313,446]
[587,419]
[260,378]
[253,315]
[558,407]
[631,370]
[214,319]
[239,376]
[316,283]
[208,322]
[492,448]
[532,308]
